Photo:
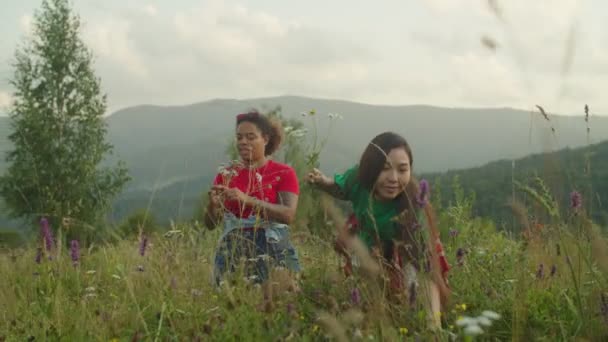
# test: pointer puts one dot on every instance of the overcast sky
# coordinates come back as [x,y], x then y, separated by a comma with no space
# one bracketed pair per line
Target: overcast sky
[382,52]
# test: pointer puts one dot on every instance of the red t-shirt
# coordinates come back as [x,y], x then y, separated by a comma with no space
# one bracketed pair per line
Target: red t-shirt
[264,183]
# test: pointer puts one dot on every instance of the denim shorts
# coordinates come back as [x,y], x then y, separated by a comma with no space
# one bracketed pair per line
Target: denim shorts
[261,251]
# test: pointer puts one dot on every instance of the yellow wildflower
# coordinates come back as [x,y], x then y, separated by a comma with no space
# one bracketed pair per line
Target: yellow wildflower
[403,331]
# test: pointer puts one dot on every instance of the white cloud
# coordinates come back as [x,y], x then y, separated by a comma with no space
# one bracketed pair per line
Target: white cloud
[473,7]
[110,40]
[151,10]
[5,100]
[527,66]
[484,80]
[26,24]
[221,49]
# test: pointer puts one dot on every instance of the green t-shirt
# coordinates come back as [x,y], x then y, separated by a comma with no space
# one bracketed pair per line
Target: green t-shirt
[373,216]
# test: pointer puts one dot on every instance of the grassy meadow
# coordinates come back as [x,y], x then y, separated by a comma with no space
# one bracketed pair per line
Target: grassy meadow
[544,281]
[547,284]
[541,277]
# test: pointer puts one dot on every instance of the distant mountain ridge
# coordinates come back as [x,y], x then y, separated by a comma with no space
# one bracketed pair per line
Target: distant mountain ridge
[181,146]
[186,139]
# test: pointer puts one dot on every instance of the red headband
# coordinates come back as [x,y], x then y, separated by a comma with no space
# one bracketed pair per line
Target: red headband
[246,115]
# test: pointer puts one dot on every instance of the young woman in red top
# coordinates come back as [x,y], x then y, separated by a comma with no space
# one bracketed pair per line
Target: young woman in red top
[256,200]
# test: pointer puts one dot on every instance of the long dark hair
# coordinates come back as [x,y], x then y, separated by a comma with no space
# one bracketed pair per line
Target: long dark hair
[371,165]
[409,243]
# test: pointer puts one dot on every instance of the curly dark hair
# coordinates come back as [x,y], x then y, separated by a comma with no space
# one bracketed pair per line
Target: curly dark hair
[269,127]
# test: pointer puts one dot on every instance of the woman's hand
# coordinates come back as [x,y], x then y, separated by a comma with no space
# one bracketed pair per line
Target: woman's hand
[214,208]
[317,177]
[326,184]
[284,211]
[231,194]
[215,199]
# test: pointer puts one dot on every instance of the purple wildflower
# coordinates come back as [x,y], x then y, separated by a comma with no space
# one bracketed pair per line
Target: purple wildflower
[423,193]
[553,270]
[412,294]
[142,245]
[576,200]
[355,296]
[75,251]
[453,232]
[45,230]
[38,255]
[540,272]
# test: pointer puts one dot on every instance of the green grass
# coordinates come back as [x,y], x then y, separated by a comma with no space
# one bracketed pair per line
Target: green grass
[166,295]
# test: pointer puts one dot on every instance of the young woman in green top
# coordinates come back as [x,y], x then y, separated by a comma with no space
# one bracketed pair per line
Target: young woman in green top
[392,213]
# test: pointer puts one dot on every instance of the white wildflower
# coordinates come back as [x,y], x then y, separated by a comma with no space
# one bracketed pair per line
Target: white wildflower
[483,320]
[472,326]
[473,330]
[491,314]
[466,321]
